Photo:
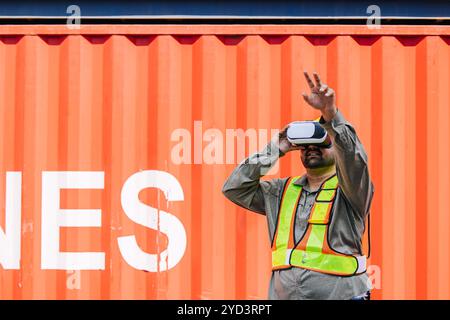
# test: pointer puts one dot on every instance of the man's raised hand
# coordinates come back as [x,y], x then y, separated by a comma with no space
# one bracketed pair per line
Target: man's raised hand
[321,97]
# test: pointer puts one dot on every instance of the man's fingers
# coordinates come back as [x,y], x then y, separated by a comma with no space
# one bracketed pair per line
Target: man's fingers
[323,88]
[283,131]
[308,79]
[317,78]
[306,98]
[282,134]
[329,92]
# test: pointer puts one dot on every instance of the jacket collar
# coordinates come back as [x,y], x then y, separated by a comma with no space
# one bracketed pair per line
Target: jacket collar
[302,181]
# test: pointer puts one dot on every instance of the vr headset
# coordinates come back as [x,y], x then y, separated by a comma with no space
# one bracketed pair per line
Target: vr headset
[304,133]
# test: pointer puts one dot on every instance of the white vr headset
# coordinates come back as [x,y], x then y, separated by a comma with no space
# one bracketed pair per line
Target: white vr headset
[308,132]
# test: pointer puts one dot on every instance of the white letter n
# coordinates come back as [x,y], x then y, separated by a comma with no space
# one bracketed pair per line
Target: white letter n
[10,238]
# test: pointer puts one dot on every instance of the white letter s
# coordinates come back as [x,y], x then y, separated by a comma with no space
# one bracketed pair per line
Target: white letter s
[148,216]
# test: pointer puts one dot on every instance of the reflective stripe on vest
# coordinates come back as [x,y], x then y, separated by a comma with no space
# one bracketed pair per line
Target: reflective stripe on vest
[313,251]
[284,239]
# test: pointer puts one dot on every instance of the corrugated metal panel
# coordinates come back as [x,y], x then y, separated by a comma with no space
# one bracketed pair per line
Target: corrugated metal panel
[97,101]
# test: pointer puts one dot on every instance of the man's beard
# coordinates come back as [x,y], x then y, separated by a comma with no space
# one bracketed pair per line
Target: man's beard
[317,162]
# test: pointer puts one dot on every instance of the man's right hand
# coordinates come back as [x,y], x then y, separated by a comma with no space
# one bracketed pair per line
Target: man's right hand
[283,143]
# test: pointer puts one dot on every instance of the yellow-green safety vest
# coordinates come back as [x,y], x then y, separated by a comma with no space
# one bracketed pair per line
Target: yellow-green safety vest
[313,251]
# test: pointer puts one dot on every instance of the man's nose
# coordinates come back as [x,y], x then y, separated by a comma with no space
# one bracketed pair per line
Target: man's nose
[313,148]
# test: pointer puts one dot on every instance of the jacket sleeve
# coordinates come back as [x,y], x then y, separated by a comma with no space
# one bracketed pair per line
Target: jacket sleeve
[351,163]
[244,186]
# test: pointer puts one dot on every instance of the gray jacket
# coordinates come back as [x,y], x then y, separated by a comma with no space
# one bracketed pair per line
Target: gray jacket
[350,211]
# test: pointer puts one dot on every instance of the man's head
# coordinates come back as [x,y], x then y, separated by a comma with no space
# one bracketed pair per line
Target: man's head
[315,157]
[314,143]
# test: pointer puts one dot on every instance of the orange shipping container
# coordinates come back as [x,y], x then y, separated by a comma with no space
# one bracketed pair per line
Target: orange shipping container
[135,125]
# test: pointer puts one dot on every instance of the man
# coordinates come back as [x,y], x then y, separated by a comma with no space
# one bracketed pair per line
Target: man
[316,221]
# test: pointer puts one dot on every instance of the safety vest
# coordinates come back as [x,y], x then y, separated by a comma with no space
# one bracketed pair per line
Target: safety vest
[313,251]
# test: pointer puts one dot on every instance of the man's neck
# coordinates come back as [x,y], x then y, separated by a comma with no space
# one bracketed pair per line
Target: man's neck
[319,175]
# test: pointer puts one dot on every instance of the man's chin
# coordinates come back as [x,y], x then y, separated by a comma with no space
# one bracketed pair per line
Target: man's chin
[314,164]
